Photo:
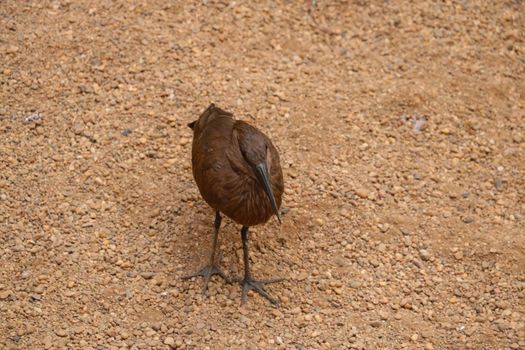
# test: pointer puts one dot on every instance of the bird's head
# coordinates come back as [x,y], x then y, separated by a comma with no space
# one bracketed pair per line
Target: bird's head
[256,152]
[209,114]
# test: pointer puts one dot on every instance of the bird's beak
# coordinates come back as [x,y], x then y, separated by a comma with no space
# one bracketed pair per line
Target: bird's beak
[262,174]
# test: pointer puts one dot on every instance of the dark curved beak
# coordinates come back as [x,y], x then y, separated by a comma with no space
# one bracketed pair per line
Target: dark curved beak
[264,179]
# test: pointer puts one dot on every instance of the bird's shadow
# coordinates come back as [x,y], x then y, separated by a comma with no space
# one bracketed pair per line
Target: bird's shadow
[193,242]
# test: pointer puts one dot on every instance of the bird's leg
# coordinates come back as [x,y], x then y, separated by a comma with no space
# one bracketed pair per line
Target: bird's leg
[248,283]
[212,268]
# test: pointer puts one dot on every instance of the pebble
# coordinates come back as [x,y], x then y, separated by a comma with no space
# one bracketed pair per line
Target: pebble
[169,341]
[302,276]
[468,219]
[4,294]
[375,324]
[355,284]
[47,342]
[147,275]
[361,192]
[61,332]
[77,129]
[424,254]
[295,310]
[429,346]
[11,49]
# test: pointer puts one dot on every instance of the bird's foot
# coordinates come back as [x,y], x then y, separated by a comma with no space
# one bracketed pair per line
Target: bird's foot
[207,272]
[258,286]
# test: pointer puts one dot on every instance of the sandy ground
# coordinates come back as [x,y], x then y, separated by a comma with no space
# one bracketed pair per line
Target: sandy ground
[401,131]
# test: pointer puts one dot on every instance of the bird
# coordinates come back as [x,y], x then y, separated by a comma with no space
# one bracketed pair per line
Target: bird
[237,170]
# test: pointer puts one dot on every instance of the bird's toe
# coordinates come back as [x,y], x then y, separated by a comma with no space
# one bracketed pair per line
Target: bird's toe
[257,286]
[207,272]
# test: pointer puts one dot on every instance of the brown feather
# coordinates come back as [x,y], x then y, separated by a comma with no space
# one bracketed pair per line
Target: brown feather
[224,154]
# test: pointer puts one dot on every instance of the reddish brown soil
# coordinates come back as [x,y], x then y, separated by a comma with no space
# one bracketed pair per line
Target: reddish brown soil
[401,131]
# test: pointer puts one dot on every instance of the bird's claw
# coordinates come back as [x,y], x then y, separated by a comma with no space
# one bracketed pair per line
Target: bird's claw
[257,286]
[207,272]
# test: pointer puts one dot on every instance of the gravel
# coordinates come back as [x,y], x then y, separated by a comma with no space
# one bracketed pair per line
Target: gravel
[400,130]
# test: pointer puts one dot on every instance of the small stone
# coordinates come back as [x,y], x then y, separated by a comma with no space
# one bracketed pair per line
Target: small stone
[414,337]
[36,297]
[296,310]
[83,88]
[47,342]
[423,253]
[375,324]
[147,275]
[468,219]
[429,346]
[361,192]
[404,231]
[502,304]
[355,284]
[11,49]
[61,333]
[383,228]
[458,255]
[169,341]
[5,294]
[124,335]
[302,276]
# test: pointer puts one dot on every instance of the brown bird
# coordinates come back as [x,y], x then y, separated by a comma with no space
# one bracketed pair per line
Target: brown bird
[237,170]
